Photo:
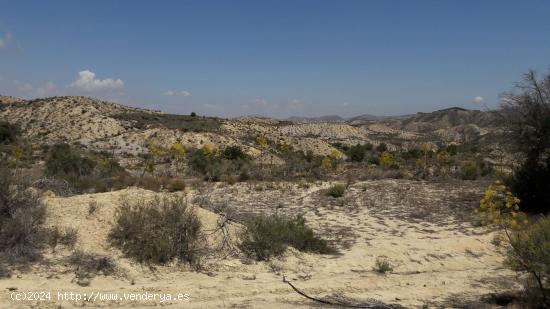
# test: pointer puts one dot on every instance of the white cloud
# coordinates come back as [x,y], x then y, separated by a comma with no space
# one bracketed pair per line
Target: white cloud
[45,90]
[171,93]
[294,104]
[261,102]
[28,90]
[2,43]
[478,100]
[86,82]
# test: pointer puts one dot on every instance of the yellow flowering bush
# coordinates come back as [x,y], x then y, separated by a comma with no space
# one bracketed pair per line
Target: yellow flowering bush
[209,150]
[386,159]
[500,207]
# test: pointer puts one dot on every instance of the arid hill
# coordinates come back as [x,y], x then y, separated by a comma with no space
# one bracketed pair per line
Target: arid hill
[101,125]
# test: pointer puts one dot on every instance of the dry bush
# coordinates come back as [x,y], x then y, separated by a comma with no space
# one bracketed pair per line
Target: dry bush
[382,265]
[157,231]
[66,237]
[89,265]
[22,215]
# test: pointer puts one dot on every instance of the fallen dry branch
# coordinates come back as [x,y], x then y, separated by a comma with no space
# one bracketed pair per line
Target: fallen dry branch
[373,304]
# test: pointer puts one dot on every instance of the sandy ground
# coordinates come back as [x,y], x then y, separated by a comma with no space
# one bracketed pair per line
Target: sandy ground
[423,229]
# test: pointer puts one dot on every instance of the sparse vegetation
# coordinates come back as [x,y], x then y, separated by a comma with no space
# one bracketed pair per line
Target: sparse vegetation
[66,237]
[382,265]
[185,123]
[268,236]
[469,171]
[64,161]
[22,215]
[336,190]
[88,265]
[157,231]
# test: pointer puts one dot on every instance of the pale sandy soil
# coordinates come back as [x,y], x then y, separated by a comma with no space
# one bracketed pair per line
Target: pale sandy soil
[423,229]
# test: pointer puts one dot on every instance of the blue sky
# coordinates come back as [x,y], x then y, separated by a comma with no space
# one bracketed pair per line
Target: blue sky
[275,58]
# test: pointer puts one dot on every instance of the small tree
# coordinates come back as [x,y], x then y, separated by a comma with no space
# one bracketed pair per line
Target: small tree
[526,113]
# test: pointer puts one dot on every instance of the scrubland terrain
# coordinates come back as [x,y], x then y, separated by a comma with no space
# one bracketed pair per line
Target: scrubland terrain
[393,198]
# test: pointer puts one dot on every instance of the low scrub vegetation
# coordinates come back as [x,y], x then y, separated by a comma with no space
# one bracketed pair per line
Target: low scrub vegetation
[185,123]
[157,231]
[22,215]
[8,133]
[337,190]
[382,265]
[268,236]
[527,246]
[88,265]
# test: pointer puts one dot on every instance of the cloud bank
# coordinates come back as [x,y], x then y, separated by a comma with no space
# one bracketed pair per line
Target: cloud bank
[86,82]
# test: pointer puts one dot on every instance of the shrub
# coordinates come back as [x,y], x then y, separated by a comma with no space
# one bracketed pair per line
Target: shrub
[382,147]
[528,247]
[66,237]
[386,160]
[175,185]
[336,190]
[529,251]
[92,207]
[356,153]
[64,161]
[469,171]
[157,231]
[22,216]
[206,164]
[234,153]
[382,265]
[88,265]
[268,236]
[8,133]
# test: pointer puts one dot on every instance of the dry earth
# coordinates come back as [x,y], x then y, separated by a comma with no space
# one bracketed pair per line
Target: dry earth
[424,229]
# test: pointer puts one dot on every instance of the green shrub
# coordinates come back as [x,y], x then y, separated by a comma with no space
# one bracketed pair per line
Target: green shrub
[268,236]
[157,231]
[22,215]
[234,153]
[207,165]
[356,153]
[64,161]
[469,171]
[8,133]
[530,251]
[336,190]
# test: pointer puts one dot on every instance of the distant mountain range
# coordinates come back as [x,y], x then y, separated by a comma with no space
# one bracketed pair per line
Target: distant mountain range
[337,118]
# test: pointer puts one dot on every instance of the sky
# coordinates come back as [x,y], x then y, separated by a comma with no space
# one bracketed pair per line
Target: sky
[274,58]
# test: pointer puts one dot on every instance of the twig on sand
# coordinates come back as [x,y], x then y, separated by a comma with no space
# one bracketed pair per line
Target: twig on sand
[371,305]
